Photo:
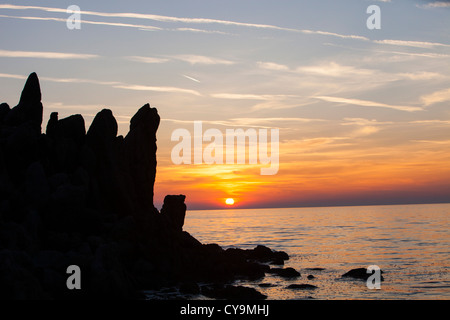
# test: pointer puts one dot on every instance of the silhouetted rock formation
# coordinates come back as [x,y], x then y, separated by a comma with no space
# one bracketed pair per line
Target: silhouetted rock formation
[69,197]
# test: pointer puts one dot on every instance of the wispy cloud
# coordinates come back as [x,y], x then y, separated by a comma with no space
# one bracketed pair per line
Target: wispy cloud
[114,24]
[45,55]
[366,103]
[436,4]
[169,19]
[436,97]
[272,66]
[326,33]
[196,59]
[192,59]
[147,59]
[240,96]
[113,84]
[136,87]
[415,44]
[334,69]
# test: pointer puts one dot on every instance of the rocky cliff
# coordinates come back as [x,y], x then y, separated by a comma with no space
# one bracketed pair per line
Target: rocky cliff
[71,197]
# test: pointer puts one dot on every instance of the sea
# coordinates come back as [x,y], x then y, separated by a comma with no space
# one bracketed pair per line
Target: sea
[409,243]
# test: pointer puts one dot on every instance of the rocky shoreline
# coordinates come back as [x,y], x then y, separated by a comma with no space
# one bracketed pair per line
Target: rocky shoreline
[70,197]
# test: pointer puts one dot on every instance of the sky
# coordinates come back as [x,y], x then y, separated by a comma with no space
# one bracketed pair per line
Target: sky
[363,114]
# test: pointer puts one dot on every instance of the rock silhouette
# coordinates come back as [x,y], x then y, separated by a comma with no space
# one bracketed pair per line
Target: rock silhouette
[76,197]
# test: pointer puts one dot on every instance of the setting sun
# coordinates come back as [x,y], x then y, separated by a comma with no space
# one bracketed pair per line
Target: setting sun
[229,201]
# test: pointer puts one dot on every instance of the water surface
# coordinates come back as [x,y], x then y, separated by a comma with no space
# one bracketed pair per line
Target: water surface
[410,243]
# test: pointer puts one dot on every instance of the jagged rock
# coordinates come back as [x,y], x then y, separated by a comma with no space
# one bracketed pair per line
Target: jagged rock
[71,197]
[4,110]
[174,209]
[29,109]
[140,156]
[103,129]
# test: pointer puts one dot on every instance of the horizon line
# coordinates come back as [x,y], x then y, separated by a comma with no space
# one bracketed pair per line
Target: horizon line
[318,206]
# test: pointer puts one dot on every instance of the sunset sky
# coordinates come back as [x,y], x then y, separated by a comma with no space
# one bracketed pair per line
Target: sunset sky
[363,115]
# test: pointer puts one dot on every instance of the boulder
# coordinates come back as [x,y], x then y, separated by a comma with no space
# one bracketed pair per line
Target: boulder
[29,110]
[174,209]
[303,286]
[359,273]
[285,272]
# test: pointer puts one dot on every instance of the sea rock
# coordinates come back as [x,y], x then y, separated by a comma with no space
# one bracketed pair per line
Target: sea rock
[285,272]
[29,110]
[303,286]
[230,292]
[359,273]
[174,209]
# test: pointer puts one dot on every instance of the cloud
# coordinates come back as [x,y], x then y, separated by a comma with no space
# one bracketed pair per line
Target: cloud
[202,31]
[436,4]
[415,44]
[239,96]
[12,76]
[45,55]
[195,59]
[113,84]
[436,97]
[421,75]
[272,66]
[114,24]
[365,103]
[192,59]
[147,59]
[169,19]
[333,69]
[343,36]
[156,89]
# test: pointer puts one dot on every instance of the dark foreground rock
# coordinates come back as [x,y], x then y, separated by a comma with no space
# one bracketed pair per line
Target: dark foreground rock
[302,286]
[285,272]
[80,197]
[359,273]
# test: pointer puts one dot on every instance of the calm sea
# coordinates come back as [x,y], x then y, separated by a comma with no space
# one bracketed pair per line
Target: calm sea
[410,243]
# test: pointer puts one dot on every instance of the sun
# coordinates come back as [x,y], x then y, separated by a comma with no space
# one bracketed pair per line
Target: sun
[229,201]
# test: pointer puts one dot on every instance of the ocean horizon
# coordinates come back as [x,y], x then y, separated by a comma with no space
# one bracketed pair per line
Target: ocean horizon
[410,243]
